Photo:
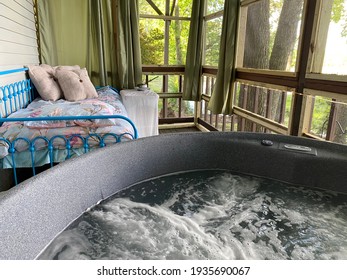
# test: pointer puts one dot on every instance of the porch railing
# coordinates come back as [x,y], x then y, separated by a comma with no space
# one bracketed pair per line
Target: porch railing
[256,106]
[167,82]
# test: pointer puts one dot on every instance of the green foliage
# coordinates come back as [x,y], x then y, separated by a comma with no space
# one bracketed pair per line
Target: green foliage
[213,34]
[337,10]
[320,116]
[276,6]
[183,34]
[152,33]
[185,7]
[152,43]
[156,84]
[145,8]
[214,6]
[289,101]
[152,36]
[339,15]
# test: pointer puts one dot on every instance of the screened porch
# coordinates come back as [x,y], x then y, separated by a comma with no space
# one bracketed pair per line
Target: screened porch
[262,82]
[275,66]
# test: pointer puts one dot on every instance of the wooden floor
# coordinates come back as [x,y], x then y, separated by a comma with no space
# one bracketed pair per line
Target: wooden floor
[179,130]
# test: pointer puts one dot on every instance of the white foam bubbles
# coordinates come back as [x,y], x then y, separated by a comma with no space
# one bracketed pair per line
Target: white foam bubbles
[209,215]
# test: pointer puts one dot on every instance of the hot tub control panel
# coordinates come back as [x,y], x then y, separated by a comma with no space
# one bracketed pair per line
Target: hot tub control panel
[298,148]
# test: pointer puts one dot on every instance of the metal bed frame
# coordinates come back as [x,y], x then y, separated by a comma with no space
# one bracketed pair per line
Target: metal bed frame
[18,95]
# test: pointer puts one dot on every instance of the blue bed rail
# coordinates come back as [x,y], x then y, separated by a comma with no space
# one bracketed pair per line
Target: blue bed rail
[18,95]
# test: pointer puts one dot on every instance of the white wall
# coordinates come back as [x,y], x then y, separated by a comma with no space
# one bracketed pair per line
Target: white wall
[18,43]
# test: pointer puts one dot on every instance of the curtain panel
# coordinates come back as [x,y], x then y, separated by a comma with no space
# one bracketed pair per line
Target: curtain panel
[90,33]
[193,69]
[127,42]
[63,33]
[221,98]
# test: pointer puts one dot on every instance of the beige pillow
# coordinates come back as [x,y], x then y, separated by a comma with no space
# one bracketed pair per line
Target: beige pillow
[45,82]
[67,67]
[50,70]
[76,84]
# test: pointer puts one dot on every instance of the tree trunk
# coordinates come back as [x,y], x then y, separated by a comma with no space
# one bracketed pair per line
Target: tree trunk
[341,124]
[283,46]
[286,34]
[256,55]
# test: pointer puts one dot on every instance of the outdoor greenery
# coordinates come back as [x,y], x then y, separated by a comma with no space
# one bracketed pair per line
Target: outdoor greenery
[273,26]
[152,39]
[320,116]
[152,33]
[213,33]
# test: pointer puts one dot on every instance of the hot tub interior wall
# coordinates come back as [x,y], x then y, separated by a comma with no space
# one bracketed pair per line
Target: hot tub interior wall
[33,213]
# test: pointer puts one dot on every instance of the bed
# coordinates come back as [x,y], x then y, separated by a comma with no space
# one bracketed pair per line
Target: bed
[47,123]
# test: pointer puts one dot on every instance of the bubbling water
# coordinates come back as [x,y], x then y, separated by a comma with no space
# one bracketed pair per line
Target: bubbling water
[209,215]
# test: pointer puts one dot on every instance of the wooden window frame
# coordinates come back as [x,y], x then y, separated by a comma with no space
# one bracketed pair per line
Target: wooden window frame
[303,80]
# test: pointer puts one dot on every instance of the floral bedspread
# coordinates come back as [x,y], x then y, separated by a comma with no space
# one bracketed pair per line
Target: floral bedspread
[107,103]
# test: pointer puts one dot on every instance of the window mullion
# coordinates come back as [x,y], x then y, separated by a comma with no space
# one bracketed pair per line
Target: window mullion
[321,36]
[302,67]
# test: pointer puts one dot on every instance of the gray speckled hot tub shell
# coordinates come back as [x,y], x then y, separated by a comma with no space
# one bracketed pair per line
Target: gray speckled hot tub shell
[34,212]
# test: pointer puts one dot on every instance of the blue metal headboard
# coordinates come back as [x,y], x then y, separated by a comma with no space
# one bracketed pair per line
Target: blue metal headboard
[16,95]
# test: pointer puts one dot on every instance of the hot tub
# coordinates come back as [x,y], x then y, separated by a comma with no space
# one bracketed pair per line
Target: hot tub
[34,212]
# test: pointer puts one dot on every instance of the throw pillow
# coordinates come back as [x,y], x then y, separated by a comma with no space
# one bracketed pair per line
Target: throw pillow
[44,81]
[76,84]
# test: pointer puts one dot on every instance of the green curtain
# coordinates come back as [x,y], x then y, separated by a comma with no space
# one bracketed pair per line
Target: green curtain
[221,99]
[90,33]
[128,52]
[193,70]
[63,33]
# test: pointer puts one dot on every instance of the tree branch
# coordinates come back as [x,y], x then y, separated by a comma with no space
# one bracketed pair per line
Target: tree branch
[154,6]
